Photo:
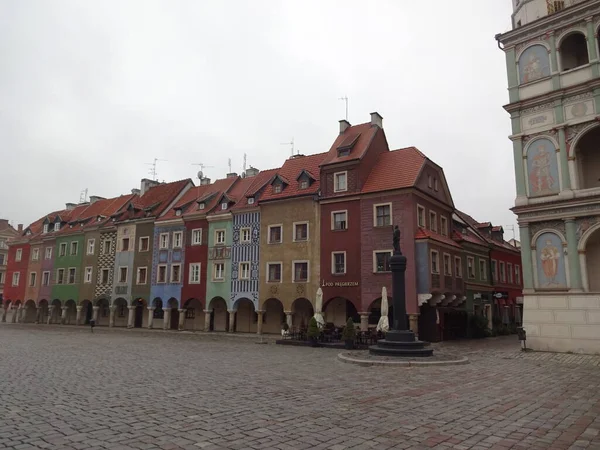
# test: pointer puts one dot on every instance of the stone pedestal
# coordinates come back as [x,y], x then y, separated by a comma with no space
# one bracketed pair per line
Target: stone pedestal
[231,327]
[207,320]
[364,321]
[150,316]
[181,319]
[167,318]
[259,322]
[131,318]
[78,317]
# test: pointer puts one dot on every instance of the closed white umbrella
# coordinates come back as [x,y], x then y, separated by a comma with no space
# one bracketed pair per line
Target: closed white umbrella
[318,307]
[384,323]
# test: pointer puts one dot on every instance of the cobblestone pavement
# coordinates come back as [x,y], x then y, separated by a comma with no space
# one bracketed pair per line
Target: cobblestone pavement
[65,388]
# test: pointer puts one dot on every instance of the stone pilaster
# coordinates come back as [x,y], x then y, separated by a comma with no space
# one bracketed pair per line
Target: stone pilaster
[519,163]
[591,43]
[564,160]
[526,257]
[289,318]
[513,81]
[207,314]
[573,254]
[167,318]
[554,60]
[231,321]
[38,313]
[131,318]
[112,310]
[78,317]
[181,319]
[259,322]
[50,314]
[364,321]
[150,316]
[95,310]
[413,323]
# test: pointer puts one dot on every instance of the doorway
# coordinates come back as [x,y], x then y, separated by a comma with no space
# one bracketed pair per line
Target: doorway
[139,313]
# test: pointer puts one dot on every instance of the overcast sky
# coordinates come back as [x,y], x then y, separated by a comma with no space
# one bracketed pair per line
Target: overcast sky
[92,91]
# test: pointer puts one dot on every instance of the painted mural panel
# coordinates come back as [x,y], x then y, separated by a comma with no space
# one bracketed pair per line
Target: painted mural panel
[550,260]
[542,168]
[534,64]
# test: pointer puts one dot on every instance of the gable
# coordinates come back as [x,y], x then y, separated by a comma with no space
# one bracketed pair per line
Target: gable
[432,181]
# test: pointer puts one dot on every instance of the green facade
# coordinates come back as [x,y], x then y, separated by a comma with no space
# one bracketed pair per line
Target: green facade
[480,283]
[67,290]
[219,288]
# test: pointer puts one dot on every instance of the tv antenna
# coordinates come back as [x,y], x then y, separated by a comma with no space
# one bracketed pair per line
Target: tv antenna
[345,98]
[291,143]
[244,163]
[511,228]
[152,170]
[229,164]
[83,196]
[201,171]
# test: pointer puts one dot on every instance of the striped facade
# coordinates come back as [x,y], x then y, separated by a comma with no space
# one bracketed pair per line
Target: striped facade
[245,252]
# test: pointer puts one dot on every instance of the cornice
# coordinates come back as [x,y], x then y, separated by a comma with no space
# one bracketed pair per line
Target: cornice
[552,96]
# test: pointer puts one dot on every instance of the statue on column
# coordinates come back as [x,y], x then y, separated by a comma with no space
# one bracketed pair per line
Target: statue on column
[397,250]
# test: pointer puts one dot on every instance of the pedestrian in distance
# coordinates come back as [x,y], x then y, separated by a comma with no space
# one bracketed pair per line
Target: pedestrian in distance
[92,324]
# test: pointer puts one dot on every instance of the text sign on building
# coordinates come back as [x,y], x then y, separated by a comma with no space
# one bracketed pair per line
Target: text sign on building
[339,283]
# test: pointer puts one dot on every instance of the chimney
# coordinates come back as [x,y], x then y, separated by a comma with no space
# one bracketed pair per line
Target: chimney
[376,119]
[95,198]
[344,125]
[20,228]
[147,184]
[232,175]
[204,181]
[70,206]
[252,172]
[135,191]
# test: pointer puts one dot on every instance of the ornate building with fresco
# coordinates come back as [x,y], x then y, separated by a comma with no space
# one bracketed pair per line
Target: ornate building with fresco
[553,67]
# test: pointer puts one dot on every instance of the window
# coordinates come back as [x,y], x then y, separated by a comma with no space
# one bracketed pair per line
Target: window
[2,259]
[429,182]
[383,215]
[195,273]
[245,271]
[48,253]
[338,263]
[502,272]
[224,206]
[122,274]
[340,182]
[32,278]
[104,276]
[435,262]
[447,264]
[509,269]
[274,234]
[277,188]
[274,272]
[458,266]
[382,261]
[573,51]
[91,243]
[518,274]
[494,270]
[15,280]
[176,273]
[300,272]
[433,221]
[304,184]
[339,220]
[301,231]
[435,184]
[35,254]
[142,275]
[219,272]
[87,278]
[57,226]
[197,236]
[444,223]
[74,248]
[421,216]
[125,244]
[46,279]
[470,267]
[144,244]
[250,200]
[245,235]
[45,230]
[62,249]
[201,206]
[163,241]
[72,275]
[1,278]
[161,276]
[19,254]
[482,269]
[220,237]
[177,239]
[106,246]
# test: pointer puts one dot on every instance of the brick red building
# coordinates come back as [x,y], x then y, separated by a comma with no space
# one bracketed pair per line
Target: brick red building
[16,277]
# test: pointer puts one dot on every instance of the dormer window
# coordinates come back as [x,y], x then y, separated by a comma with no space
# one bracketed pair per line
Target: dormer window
[304,184]
[28,233]
[57,226]
[250,200]
[201,206]
[224,205]
[277,188]
[45,228]
[178,212]
[347,144]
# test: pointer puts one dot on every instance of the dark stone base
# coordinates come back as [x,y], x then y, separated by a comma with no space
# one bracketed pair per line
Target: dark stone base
[402,344]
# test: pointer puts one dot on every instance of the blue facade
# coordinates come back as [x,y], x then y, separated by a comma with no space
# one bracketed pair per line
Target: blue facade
[245,252]
[168,256]
[422,260]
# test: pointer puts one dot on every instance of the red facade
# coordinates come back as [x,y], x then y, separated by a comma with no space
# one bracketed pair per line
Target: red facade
[16,293]
[512,281]
[195,254]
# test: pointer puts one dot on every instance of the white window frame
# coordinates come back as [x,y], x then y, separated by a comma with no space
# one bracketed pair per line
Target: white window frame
[48,253]
[74,269]
[375,252]
[333,254]
[172,272]
[141,239]
[333,213]
[197,232]
[76,244]
[201,205]
[62,249]
[224,206]
[458,266]
[137,276]
[45,229]
[217,233]
[243,276]
[280,233]
[242,231]
[158,280]
[32,279]
[180,235]
[126,274]
[128,244]
[472,260]
[214,272]
[250,200]
[57,226]
[89,270]
[192,268]
[16,278]
[423,223]
[302,261]
[448,257]
[433,222]
[272,263]
[303,184]
[375,206]
[91,246]
[483,268]
[45,274]
[102,272]
[336,186]
[163,241]
[434,256]
[35,254]
[303,222]
[444,225]
[19,254]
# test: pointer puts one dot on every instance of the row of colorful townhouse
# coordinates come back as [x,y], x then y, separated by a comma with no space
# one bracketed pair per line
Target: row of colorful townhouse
[247,253]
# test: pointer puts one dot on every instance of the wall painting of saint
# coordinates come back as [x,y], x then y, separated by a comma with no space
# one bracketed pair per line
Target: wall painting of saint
[542,168]
[550,259]
[534,63]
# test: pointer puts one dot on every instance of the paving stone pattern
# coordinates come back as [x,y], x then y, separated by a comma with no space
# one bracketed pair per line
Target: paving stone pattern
[65,388]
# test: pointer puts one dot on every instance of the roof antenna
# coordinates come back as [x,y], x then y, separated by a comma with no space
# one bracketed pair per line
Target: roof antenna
[152,170]
[201,171]
[290,143]
[229,164]
[345,98]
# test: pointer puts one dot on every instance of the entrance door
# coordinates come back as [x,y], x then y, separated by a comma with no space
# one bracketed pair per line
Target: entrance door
[139,314]
[88,313]
[174,319]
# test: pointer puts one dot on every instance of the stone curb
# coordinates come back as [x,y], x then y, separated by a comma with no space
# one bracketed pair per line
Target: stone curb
[368,363]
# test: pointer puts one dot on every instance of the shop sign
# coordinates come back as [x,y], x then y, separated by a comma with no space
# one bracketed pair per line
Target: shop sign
[339,283]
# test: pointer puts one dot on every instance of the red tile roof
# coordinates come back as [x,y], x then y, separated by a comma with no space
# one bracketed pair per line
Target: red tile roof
[154,201]
[259,181]
[357,136]
[396,169]
[478,225]
[235,194]
[469,237]
[423,233]
[290,171]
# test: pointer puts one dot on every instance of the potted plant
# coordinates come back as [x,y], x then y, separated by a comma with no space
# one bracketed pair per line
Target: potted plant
[313,332]
[349,334]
